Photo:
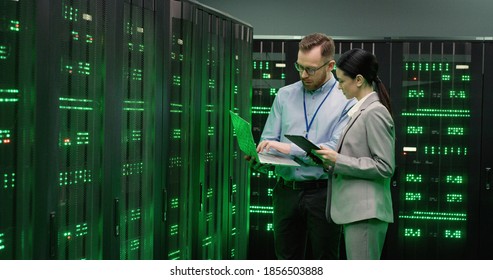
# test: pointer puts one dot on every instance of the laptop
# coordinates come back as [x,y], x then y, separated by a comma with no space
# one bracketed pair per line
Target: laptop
[247,144]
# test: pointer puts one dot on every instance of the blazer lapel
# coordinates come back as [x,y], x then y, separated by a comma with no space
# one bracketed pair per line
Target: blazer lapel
[354,117]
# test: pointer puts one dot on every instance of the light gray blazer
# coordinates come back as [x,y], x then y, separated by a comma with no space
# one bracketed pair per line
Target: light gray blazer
[360,185]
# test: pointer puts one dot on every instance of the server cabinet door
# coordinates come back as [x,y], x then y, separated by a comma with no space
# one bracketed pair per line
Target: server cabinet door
[137,131]
[78,88]
[485,219]
[271,66]
[208,99]
[17,96]
[178,222]
[437,148]
[238,197]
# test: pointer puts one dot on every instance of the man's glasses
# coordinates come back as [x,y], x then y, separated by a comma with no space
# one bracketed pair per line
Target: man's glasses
[309,70]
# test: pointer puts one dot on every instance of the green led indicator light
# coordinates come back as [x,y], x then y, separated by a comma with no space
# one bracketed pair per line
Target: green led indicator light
[414,130]
[133,105]
[207,241]
[416,178]
[173,230]
[136,74]
[258,110]
[82,138]
[135,135]
[445,77]
[4,53]
[176,80]
[81,229]
[437,216]
[273,92]
[269,227]
[14,25]
[174,203]
[82,68]
[261,209]
[89,39]
[209,108]
[70,13]
[461,94]
[5,136]
[175,255]
[439,150]
[140,47]
[133,169]
[266,76]
[176,108]
[70,178]
[134,245]
[266,65]
[413,93]
[453,197]
[254,65]
[455,234]
[175,162]
[9,100]
[135,214]
[466,78]
[2,246]
[9,90]
[454,179]
[413,196]
[455,131]
[446,113]
[212,84]
[67,235]
[8,180]
[210,193]
[211,131]
[75,35]
[283,76]
[412,232]
[129,28]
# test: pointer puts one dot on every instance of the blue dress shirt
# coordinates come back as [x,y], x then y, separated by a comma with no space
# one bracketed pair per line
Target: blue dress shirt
[287,116]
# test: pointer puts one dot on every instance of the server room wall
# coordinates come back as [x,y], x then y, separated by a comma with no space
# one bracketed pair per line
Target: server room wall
[115,135]
[382,18]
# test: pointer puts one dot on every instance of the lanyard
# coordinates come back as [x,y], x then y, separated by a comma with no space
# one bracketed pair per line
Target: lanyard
[308,126]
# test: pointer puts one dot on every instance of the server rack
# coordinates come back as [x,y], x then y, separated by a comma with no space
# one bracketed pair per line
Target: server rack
[200,183]
[238,198]
[438,148]
[17,39]
[483,223]
[115,126]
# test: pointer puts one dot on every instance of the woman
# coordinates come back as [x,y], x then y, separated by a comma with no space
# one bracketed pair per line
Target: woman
[364,161]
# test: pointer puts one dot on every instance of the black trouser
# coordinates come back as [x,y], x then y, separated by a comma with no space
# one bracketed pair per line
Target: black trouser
[299,220]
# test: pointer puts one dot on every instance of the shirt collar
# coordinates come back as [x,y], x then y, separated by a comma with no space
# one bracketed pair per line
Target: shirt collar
[358,104]
[327,85]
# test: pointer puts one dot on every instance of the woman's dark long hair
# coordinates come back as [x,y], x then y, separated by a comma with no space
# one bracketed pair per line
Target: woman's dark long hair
[357,61]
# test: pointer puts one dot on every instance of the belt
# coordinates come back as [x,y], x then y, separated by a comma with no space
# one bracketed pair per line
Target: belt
[303,185]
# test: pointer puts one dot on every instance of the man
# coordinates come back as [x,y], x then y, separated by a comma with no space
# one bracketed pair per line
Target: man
[315,108]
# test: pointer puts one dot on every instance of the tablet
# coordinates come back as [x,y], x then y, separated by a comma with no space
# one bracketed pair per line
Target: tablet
[306,145]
